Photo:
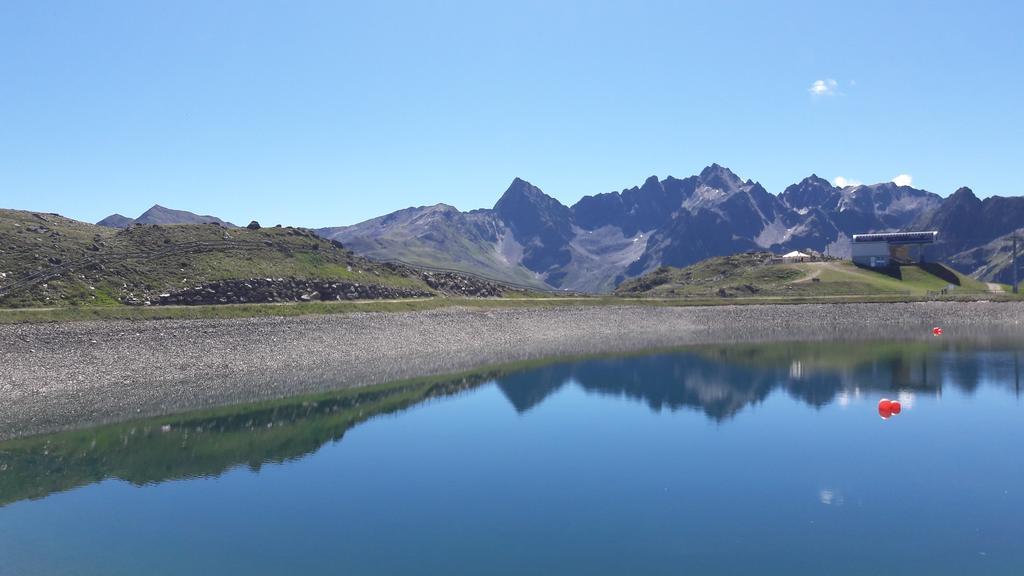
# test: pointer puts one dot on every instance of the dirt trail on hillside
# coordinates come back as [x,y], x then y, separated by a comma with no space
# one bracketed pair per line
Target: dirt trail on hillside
[817,267]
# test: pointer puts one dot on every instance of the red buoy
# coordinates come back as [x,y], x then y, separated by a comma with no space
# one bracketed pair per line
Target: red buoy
[937,331]
[885,408]
[895,407]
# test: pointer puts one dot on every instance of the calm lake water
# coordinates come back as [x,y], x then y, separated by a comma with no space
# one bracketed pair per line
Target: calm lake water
[767,459]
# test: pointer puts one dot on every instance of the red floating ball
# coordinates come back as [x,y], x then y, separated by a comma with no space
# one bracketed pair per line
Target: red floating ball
[895,407]
[885,408]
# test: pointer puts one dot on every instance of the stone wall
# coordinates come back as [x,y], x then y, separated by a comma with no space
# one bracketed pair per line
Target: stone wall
[459,285]
[259,290]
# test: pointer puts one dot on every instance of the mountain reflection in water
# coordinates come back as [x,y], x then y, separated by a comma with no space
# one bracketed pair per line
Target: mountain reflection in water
[719,381]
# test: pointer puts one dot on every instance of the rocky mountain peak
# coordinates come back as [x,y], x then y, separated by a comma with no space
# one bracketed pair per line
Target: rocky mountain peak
[522,195]
[528,211]
[815,180]
[652,187]
[720,177]
[963,194]
[520,188]
[539,222]
[957,219]
[442,207]
[755,188]
[810,192]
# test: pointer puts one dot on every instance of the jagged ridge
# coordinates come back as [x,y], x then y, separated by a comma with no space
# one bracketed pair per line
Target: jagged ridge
[605,238]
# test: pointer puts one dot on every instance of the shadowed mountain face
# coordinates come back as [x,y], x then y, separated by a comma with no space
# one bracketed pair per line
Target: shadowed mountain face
[718,381]
[975,234]
[160,215]
[530,237]
[539,223]
[992,261]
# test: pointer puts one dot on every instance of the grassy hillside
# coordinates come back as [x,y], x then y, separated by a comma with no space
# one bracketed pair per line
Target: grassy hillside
[746,275]
[49,260]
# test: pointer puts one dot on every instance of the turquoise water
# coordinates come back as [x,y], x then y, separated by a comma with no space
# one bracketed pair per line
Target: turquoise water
[718,460]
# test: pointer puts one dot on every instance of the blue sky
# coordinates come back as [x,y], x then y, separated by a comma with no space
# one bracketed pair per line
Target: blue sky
[328,113]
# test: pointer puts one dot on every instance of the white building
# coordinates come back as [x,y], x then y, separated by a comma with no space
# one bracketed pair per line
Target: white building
[796,256]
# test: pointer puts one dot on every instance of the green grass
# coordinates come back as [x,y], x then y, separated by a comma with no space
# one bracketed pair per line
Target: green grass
[746,275]
[849,279]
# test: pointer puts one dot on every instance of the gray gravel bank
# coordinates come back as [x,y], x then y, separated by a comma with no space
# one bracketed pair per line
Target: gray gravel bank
[57,376]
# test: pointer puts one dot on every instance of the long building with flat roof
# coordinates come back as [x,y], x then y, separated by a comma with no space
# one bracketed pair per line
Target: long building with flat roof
[879,250]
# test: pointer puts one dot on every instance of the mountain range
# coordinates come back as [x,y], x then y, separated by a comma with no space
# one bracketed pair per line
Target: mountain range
[530,238]
[593,245]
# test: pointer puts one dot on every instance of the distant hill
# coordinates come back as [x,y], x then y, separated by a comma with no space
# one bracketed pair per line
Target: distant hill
[50,260]
[604,239]
[160,215]
[116,221]
[752,274]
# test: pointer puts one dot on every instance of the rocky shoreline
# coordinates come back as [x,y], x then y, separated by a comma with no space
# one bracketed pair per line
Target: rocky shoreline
[67,375]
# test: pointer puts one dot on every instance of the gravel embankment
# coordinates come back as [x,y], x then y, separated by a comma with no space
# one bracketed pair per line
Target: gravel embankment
[57,376]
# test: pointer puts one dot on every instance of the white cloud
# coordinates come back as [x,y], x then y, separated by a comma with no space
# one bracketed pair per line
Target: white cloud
[903,180]
[844,182]
[826,87]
